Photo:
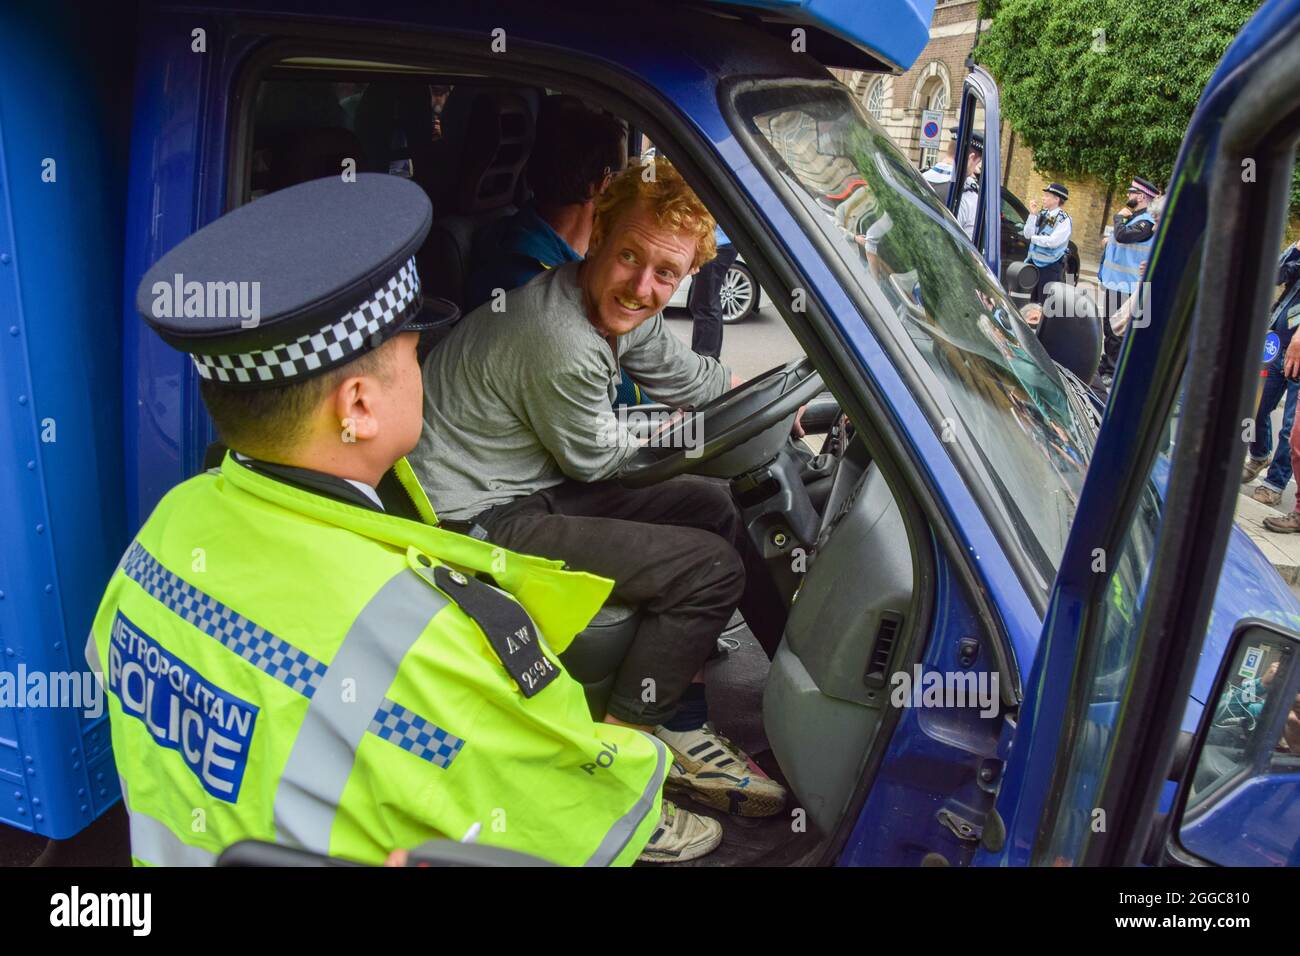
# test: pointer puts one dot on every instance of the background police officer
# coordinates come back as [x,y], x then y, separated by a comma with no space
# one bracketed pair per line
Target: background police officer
[1122,262]
[1048,231]
[970,190]
[294,650]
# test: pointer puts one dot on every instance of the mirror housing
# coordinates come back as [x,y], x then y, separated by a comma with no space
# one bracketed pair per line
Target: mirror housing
[1239,802]
[1019,279]
[1070,329]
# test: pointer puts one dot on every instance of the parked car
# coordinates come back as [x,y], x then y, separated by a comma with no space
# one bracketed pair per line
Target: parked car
[740,293]
[978,527]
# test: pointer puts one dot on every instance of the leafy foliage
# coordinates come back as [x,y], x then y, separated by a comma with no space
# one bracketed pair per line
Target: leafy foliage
[1106,87]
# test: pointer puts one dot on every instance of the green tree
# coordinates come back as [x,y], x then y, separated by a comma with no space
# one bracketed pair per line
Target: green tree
[1106,87]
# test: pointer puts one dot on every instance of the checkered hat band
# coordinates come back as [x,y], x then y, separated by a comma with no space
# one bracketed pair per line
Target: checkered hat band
[337,342]
[272,655]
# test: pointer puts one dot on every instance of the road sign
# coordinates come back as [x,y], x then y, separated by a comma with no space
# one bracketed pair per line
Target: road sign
[931,128]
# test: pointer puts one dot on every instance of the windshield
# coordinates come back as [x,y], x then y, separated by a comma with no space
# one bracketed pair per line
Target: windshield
[1002,405]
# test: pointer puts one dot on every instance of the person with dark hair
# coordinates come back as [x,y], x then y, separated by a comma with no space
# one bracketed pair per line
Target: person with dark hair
[577,152]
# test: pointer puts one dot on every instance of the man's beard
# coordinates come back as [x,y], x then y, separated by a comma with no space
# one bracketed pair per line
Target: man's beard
[1132,202]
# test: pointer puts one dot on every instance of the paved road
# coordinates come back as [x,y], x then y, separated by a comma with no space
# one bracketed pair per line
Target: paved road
[759,343]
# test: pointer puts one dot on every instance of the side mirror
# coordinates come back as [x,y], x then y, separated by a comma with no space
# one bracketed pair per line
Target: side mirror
[1070,329]
[1019,279]
[1240,804]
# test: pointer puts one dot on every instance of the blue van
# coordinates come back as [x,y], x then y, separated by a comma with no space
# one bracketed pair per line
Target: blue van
[1020,632]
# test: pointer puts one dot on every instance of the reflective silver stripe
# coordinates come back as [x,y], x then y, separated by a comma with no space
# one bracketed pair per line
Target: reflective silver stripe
[616,839]
[152,841]
[325,750]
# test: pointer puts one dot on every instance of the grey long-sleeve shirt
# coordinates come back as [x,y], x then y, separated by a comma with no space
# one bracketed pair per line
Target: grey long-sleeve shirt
[516,401]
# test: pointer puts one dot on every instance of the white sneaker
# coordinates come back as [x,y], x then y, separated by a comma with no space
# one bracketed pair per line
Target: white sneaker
[681,836]
[711,769]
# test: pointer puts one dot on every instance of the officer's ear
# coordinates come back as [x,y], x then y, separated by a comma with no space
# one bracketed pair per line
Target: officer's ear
[355,405]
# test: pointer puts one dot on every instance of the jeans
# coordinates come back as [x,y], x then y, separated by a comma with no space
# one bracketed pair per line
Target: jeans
[679,550]
[1275,386]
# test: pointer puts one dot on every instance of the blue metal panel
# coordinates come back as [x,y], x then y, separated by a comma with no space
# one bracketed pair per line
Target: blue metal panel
[934,757]
[166,429]
[61,470]
[1255,824]
[894,30]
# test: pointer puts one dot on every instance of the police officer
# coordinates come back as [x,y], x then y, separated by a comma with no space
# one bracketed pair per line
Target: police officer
[1048,231]
[970,190]
[294,650]
[1122,261]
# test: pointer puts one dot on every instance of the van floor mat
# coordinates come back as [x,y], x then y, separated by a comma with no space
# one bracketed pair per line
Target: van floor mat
[734,685]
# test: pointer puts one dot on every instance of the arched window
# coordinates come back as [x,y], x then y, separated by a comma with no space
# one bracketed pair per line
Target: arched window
[875,99]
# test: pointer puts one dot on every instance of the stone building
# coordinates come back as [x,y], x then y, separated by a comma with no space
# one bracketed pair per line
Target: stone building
[935,83]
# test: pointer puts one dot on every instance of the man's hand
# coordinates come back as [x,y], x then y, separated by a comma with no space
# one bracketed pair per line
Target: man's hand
[1125,213]
[796,430]
[1291,362]
[736,380]
[1034,206]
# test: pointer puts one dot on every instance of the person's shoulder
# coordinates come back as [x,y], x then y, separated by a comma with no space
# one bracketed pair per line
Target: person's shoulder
[545,312]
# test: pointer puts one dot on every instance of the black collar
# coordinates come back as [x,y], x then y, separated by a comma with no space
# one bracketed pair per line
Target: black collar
[317,482]
[394,497]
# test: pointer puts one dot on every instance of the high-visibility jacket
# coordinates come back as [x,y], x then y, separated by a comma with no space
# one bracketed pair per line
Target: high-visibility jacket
[281,666]
[1121,263]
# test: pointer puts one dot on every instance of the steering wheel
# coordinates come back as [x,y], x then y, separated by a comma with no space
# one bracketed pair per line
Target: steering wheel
[756,415]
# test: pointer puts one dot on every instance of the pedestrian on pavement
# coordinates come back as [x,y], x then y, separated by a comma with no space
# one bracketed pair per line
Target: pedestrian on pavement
[1048,231]
[1126,252]
[1285,318]
[705,299]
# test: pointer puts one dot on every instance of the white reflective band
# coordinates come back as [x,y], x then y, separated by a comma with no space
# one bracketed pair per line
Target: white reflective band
[153,842]
[324,751]
[616,839]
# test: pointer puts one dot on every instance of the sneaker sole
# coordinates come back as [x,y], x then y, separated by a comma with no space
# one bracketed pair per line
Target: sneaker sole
[719,794]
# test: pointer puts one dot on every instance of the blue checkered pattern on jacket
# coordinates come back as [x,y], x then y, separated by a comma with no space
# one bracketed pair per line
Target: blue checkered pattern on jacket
[411,732]
[273,656]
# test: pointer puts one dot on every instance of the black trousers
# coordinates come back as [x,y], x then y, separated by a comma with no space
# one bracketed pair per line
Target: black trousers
[678,550]
[1111,302]
[705,302]
[1053,273]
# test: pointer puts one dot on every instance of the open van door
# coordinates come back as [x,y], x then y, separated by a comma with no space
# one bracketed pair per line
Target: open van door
[980,110]
[1098,739]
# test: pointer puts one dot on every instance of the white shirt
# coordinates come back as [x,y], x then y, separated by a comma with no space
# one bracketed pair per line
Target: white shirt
[970,203]
[1054,239]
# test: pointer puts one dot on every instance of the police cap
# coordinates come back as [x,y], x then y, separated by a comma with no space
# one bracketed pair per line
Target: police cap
[976,138]
[295,283]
